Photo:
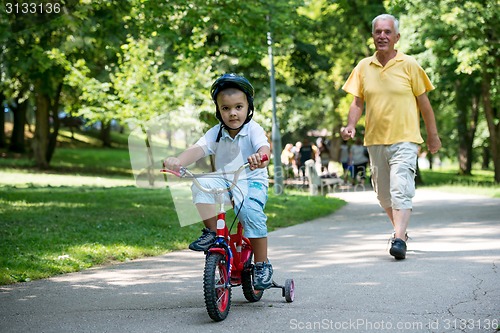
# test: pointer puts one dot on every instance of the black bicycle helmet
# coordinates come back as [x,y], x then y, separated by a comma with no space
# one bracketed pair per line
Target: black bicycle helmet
[233,81]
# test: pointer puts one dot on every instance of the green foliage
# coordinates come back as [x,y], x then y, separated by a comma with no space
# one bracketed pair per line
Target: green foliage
[138,60]
[456,42]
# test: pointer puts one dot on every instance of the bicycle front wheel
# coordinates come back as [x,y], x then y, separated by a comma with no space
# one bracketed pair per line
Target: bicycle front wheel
[216,287]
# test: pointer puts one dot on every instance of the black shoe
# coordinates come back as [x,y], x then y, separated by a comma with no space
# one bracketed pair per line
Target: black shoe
[204,242]
[398,248]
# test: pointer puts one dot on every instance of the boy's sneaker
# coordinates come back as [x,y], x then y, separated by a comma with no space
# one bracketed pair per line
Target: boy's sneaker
[263,275]
[203,243]
[398,248]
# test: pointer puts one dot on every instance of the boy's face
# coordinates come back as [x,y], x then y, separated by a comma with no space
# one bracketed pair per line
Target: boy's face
[233,107]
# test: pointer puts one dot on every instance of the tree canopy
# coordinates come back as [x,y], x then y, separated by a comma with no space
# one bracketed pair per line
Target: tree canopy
[135,60]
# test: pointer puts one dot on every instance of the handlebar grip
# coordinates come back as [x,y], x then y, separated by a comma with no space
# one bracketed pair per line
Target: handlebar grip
[176,173]
[264,158]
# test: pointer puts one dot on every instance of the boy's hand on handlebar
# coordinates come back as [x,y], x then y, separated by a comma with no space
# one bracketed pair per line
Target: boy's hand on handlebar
[172,163]
[257,161]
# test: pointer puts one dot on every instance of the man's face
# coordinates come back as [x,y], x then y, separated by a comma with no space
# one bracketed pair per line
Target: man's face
[384,35]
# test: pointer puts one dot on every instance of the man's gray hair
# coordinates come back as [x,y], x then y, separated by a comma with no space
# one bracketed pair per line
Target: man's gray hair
[386,17]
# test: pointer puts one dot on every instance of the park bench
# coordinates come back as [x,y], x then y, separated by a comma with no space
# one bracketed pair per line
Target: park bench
[316,183]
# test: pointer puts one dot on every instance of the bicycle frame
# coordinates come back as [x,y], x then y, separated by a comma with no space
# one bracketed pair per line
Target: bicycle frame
[228,260]
[235,247]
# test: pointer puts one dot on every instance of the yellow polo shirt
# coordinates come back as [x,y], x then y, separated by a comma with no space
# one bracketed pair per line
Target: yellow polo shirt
[389,92]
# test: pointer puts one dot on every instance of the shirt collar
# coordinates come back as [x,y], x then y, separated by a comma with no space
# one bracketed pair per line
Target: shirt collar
[399,57]
[243,132]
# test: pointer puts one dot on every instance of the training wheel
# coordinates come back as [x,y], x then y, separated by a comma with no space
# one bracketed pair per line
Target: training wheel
[289,290]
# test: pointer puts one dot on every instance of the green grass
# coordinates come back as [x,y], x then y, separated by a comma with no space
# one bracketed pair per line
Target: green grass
[52,230]
[481,182]
[81,155]
[104,161]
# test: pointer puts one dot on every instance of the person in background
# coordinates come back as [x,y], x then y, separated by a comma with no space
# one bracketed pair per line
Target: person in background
[344,160]
[323,155]
[394,87]
[306,152]
[296,152]
[359,161]
[288,159]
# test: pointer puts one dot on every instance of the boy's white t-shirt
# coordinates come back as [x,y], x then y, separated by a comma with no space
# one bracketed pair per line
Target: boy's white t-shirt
[231,153]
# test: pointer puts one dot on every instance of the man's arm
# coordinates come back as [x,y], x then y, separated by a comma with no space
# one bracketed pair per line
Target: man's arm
[433,141]
[355,112]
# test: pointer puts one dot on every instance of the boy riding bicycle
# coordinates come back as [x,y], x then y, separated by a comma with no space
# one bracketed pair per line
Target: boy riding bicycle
[237,137]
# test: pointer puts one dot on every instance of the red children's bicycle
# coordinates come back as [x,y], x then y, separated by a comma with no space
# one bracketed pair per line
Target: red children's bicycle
[228,262]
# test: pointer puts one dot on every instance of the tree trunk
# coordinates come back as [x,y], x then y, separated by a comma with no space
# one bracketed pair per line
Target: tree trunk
[492,117]
[486,158]
[17,144]
[3,141]
[430,158]
[42,128]
[419,181]
[106,133]
[466,127]
[472,130]
[150,158]
[56,123]
[169,138]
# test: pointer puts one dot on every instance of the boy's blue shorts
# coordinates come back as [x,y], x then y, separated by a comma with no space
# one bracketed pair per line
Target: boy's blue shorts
[252,194]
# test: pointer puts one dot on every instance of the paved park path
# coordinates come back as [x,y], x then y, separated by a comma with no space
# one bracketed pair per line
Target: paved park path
[345,280]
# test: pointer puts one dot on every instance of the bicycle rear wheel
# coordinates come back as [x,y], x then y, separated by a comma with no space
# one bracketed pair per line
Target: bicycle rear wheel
[216,287]
[249,292]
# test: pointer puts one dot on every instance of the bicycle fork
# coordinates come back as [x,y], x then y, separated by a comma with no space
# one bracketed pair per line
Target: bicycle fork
[221,243]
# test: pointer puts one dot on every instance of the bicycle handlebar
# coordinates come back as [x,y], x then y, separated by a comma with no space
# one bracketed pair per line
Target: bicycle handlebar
[185,173]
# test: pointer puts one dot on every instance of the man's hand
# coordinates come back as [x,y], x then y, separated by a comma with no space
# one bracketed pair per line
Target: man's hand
[355,112]
[347,132]
[433,143]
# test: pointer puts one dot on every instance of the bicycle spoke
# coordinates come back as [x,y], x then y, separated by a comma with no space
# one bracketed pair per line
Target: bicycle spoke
[222,295]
